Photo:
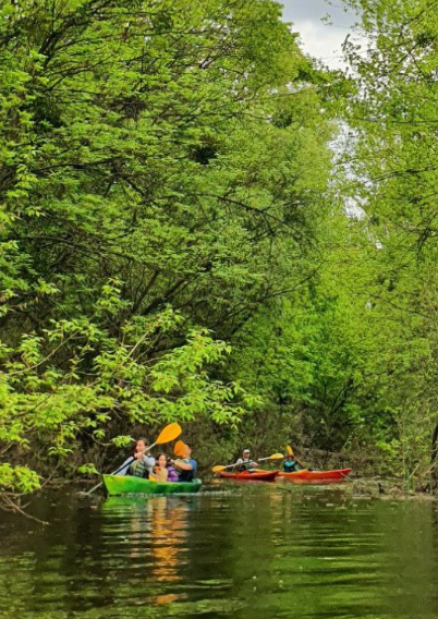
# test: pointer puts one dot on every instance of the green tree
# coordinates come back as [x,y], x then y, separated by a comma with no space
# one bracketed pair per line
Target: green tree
[393,115]
[153,155]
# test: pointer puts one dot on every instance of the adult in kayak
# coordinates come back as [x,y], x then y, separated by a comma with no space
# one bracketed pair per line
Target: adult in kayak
[245,463]
[186,466]
[290,465]
[143,463]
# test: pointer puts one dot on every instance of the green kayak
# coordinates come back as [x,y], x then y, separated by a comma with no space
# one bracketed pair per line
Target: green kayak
[117,485]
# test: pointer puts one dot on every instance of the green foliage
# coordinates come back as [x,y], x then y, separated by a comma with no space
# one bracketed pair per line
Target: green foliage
[18,479]
[103,378]
[153,156]
[173,239]
[394,178]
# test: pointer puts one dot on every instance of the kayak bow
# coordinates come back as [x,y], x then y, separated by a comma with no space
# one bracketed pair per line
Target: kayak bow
[250,476]
[118,485]
[316,477]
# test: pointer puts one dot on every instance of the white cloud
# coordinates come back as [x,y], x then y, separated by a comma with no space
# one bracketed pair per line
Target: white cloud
[322,42]
[319,39]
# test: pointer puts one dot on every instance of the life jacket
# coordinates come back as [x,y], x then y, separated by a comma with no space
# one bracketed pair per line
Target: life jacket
[245,465]
[138,469]
[187,475]
[290,466]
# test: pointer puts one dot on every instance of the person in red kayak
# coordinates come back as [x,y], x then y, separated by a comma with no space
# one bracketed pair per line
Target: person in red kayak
[245,463]
[290,465]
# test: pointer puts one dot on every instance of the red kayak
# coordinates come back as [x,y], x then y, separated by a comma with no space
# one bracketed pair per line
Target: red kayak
[250,475]
[316,477]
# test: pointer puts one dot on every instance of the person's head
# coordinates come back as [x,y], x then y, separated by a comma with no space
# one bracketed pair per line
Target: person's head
[141,444]
[162,460]
[246,454]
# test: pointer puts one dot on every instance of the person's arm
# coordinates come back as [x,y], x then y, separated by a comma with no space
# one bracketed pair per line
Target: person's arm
[182,466]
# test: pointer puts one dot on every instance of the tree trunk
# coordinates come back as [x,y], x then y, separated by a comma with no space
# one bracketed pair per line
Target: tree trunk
[433,459]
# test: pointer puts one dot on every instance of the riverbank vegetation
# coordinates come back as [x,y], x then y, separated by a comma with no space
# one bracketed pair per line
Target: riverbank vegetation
[174,178]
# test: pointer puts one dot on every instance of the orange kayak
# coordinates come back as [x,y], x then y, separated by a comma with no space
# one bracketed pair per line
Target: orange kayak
[250,476]
[316,477]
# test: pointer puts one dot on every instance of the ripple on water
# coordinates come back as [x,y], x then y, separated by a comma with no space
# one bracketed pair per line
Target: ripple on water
[254,551]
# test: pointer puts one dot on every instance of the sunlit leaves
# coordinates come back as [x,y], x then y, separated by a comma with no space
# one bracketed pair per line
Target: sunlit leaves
[105,377]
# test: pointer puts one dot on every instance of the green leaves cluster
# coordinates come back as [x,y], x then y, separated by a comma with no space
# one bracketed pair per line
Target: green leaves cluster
[78,380]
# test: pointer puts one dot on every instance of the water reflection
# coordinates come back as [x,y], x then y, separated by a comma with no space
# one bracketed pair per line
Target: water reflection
[254,551]
[158,524]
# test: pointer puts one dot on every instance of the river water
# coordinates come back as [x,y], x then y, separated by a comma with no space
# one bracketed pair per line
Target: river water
[262,551]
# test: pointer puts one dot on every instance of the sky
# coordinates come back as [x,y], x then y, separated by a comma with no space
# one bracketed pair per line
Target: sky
[319,39]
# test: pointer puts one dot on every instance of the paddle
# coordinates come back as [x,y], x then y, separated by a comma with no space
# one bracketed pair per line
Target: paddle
[167,434]
[219,468]
[290,452]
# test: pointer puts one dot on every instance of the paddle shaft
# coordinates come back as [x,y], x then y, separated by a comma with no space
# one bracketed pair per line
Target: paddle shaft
[231,466]
[292,455]
[304,468]
[113,473]
[301,464]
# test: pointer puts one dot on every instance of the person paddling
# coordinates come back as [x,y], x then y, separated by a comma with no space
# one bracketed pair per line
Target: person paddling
[245,463]
[290,465]
[186,466]
[143,463]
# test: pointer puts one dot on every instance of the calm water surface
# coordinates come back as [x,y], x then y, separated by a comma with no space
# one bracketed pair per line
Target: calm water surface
[235,552]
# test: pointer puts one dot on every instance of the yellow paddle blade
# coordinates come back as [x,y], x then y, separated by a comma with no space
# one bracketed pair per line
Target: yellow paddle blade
[152,478]
[277,456]
[169,433]
[179,449]
[218,468]
[290,451]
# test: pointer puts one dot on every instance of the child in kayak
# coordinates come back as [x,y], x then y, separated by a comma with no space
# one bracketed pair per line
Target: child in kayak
[161,472]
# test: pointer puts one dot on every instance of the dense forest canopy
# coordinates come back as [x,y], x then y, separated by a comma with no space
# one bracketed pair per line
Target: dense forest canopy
[173,238]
